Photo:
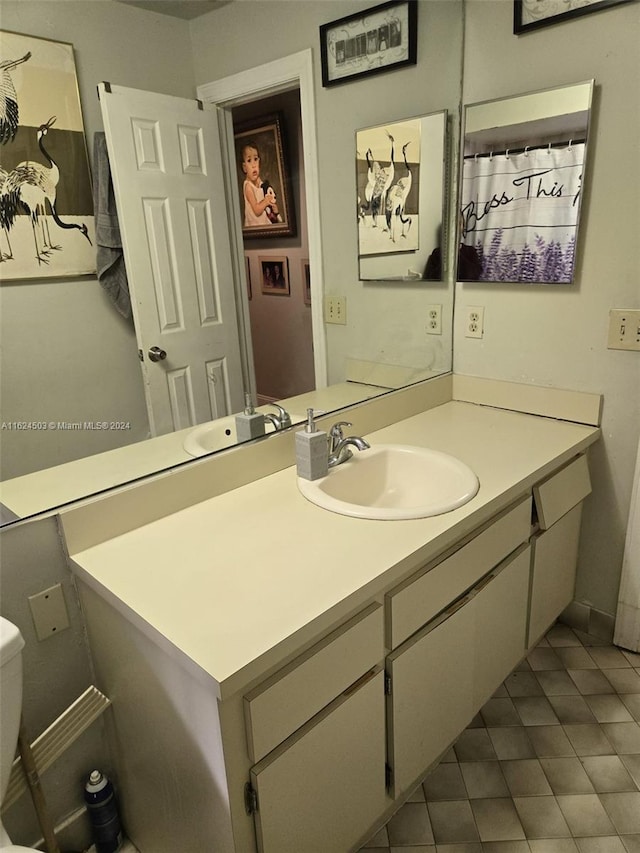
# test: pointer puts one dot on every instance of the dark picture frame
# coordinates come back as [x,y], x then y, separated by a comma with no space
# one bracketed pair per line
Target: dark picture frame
[274,270]
[306,281]
[379,39]
[264,136]
[529,15]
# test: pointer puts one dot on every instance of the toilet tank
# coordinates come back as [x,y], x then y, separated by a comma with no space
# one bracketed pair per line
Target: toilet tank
[11,645]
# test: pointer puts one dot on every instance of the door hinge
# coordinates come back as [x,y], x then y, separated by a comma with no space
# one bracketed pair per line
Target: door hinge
[388,776]
[250,799]
[387,685]
[140,355]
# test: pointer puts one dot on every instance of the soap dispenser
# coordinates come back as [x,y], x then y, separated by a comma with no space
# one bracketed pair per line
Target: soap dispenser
[312,451]
[250,424]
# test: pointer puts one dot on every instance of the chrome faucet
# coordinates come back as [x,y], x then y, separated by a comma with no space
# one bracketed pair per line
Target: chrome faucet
[339,446]
[280,421]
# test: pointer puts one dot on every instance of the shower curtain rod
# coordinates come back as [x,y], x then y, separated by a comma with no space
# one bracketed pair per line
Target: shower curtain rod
[526,148]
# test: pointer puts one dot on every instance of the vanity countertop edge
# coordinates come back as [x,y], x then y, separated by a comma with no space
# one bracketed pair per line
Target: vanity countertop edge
[237,583]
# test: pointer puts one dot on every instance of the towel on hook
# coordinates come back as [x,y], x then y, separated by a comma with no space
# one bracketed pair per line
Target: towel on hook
[112,273]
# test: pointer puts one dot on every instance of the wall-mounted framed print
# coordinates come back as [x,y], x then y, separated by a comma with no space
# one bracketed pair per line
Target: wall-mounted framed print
[47,203]
[382,38]
[533,14]
[264,178]
[275,274]
[306,281]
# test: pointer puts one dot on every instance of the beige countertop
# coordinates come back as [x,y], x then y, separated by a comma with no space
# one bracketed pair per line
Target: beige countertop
[235,583]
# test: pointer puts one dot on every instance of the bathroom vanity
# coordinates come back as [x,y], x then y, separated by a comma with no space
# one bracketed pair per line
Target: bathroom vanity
[282,677]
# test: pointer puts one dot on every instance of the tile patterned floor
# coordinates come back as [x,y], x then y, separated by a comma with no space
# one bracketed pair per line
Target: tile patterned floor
[551,764]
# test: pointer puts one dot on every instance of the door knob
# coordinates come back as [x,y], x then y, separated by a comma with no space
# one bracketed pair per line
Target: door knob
[157,354]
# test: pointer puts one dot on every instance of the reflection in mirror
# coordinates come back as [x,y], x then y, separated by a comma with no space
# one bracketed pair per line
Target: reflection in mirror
[400,186]
[522,173]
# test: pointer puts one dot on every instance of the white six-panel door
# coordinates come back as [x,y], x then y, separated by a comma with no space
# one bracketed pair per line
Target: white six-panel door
[165,162]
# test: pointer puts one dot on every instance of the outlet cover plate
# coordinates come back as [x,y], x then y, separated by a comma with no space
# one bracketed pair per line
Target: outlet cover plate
[474,321]
[49,611]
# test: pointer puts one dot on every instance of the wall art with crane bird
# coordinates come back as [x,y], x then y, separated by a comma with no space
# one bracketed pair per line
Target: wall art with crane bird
[46,205]
[388,178]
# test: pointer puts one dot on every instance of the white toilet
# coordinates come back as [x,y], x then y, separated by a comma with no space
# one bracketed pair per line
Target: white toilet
[11,644]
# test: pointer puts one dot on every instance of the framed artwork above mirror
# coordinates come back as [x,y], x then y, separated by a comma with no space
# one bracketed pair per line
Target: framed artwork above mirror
[521,188]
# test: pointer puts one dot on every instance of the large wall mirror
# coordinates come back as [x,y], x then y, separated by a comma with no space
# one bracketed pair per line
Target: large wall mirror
[522,180]
[400,172]
[68,358]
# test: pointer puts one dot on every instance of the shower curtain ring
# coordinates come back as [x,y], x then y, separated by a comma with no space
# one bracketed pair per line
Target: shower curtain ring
[526,151]
[506,154]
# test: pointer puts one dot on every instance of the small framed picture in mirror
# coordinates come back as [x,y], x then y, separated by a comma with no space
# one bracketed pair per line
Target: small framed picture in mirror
[275,275]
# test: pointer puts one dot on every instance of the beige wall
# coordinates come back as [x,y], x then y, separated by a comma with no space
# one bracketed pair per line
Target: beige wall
[557,335]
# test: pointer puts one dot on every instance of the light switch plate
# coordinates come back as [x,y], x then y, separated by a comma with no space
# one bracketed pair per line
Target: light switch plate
[49,611]
[335,310]
[624,329]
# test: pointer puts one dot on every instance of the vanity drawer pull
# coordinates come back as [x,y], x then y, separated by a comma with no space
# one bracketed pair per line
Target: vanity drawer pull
[562,491]
[421,597]
[293,695]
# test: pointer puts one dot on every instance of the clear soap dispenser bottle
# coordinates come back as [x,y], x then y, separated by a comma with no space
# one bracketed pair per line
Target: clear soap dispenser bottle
[312,451]
[250,424]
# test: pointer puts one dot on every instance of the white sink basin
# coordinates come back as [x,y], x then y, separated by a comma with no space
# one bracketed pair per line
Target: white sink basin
[216,435]
[393,481]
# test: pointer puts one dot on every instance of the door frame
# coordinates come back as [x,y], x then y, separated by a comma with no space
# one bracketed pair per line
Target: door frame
[281,75]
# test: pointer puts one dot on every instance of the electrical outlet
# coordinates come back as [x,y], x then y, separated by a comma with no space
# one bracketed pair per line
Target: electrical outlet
[335,310]
[49,612]
[434,320]
[624,329]
[474,322]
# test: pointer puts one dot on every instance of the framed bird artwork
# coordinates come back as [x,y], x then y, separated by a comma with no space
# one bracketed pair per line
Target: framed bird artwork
[46,204]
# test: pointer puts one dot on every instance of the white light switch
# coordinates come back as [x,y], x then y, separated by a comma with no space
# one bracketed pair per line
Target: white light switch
[49,611]
[624,329]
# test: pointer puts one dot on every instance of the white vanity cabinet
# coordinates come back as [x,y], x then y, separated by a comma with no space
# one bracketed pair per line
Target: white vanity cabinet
[318,730]
[440,676]
[558,501]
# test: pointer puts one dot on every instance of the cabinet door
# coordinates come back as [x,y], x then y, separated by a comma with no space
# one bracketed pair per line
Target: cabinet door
[324,788]
[555,556]
[442,676]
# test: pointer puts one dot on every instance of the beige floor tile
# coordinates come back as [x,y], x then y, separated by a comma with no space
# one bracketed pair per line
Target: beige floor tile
[415,848]
[500,712]
[550,741]
[453,822]
[505,847]
[589,681]
[572,709]
[535,711]
[410,825]
[625,737]
[561,635]
[471,847]
[541,817]
[631,843]
[483,779]
[585,814]
[632,703]
[445,782]
[608,773]
[474,745]
[511,742]
[576,658]
[608,708]
[608,657]
[544,658]
[523,684]
[497,819]
[380,839]
[632,657]
[557,683]
[603,844]
[588,739]
[623,680]
[624,811]
[566,775]
[525,778]
[632,763]
[553,845]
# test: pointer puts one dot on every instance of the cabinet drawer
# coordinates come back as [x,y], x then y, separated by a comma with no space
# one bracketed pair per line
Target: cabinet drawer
[287,700]
[562,491]
[419,599]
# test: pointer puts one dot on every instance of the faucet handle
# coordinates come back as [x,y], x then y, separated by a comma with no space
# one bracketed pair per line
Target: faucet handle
[283,415]
[336,429]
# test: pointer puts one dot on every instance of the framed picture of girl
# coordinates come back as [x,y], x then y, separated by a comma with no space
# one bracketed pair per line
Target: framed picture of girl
[263,178]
